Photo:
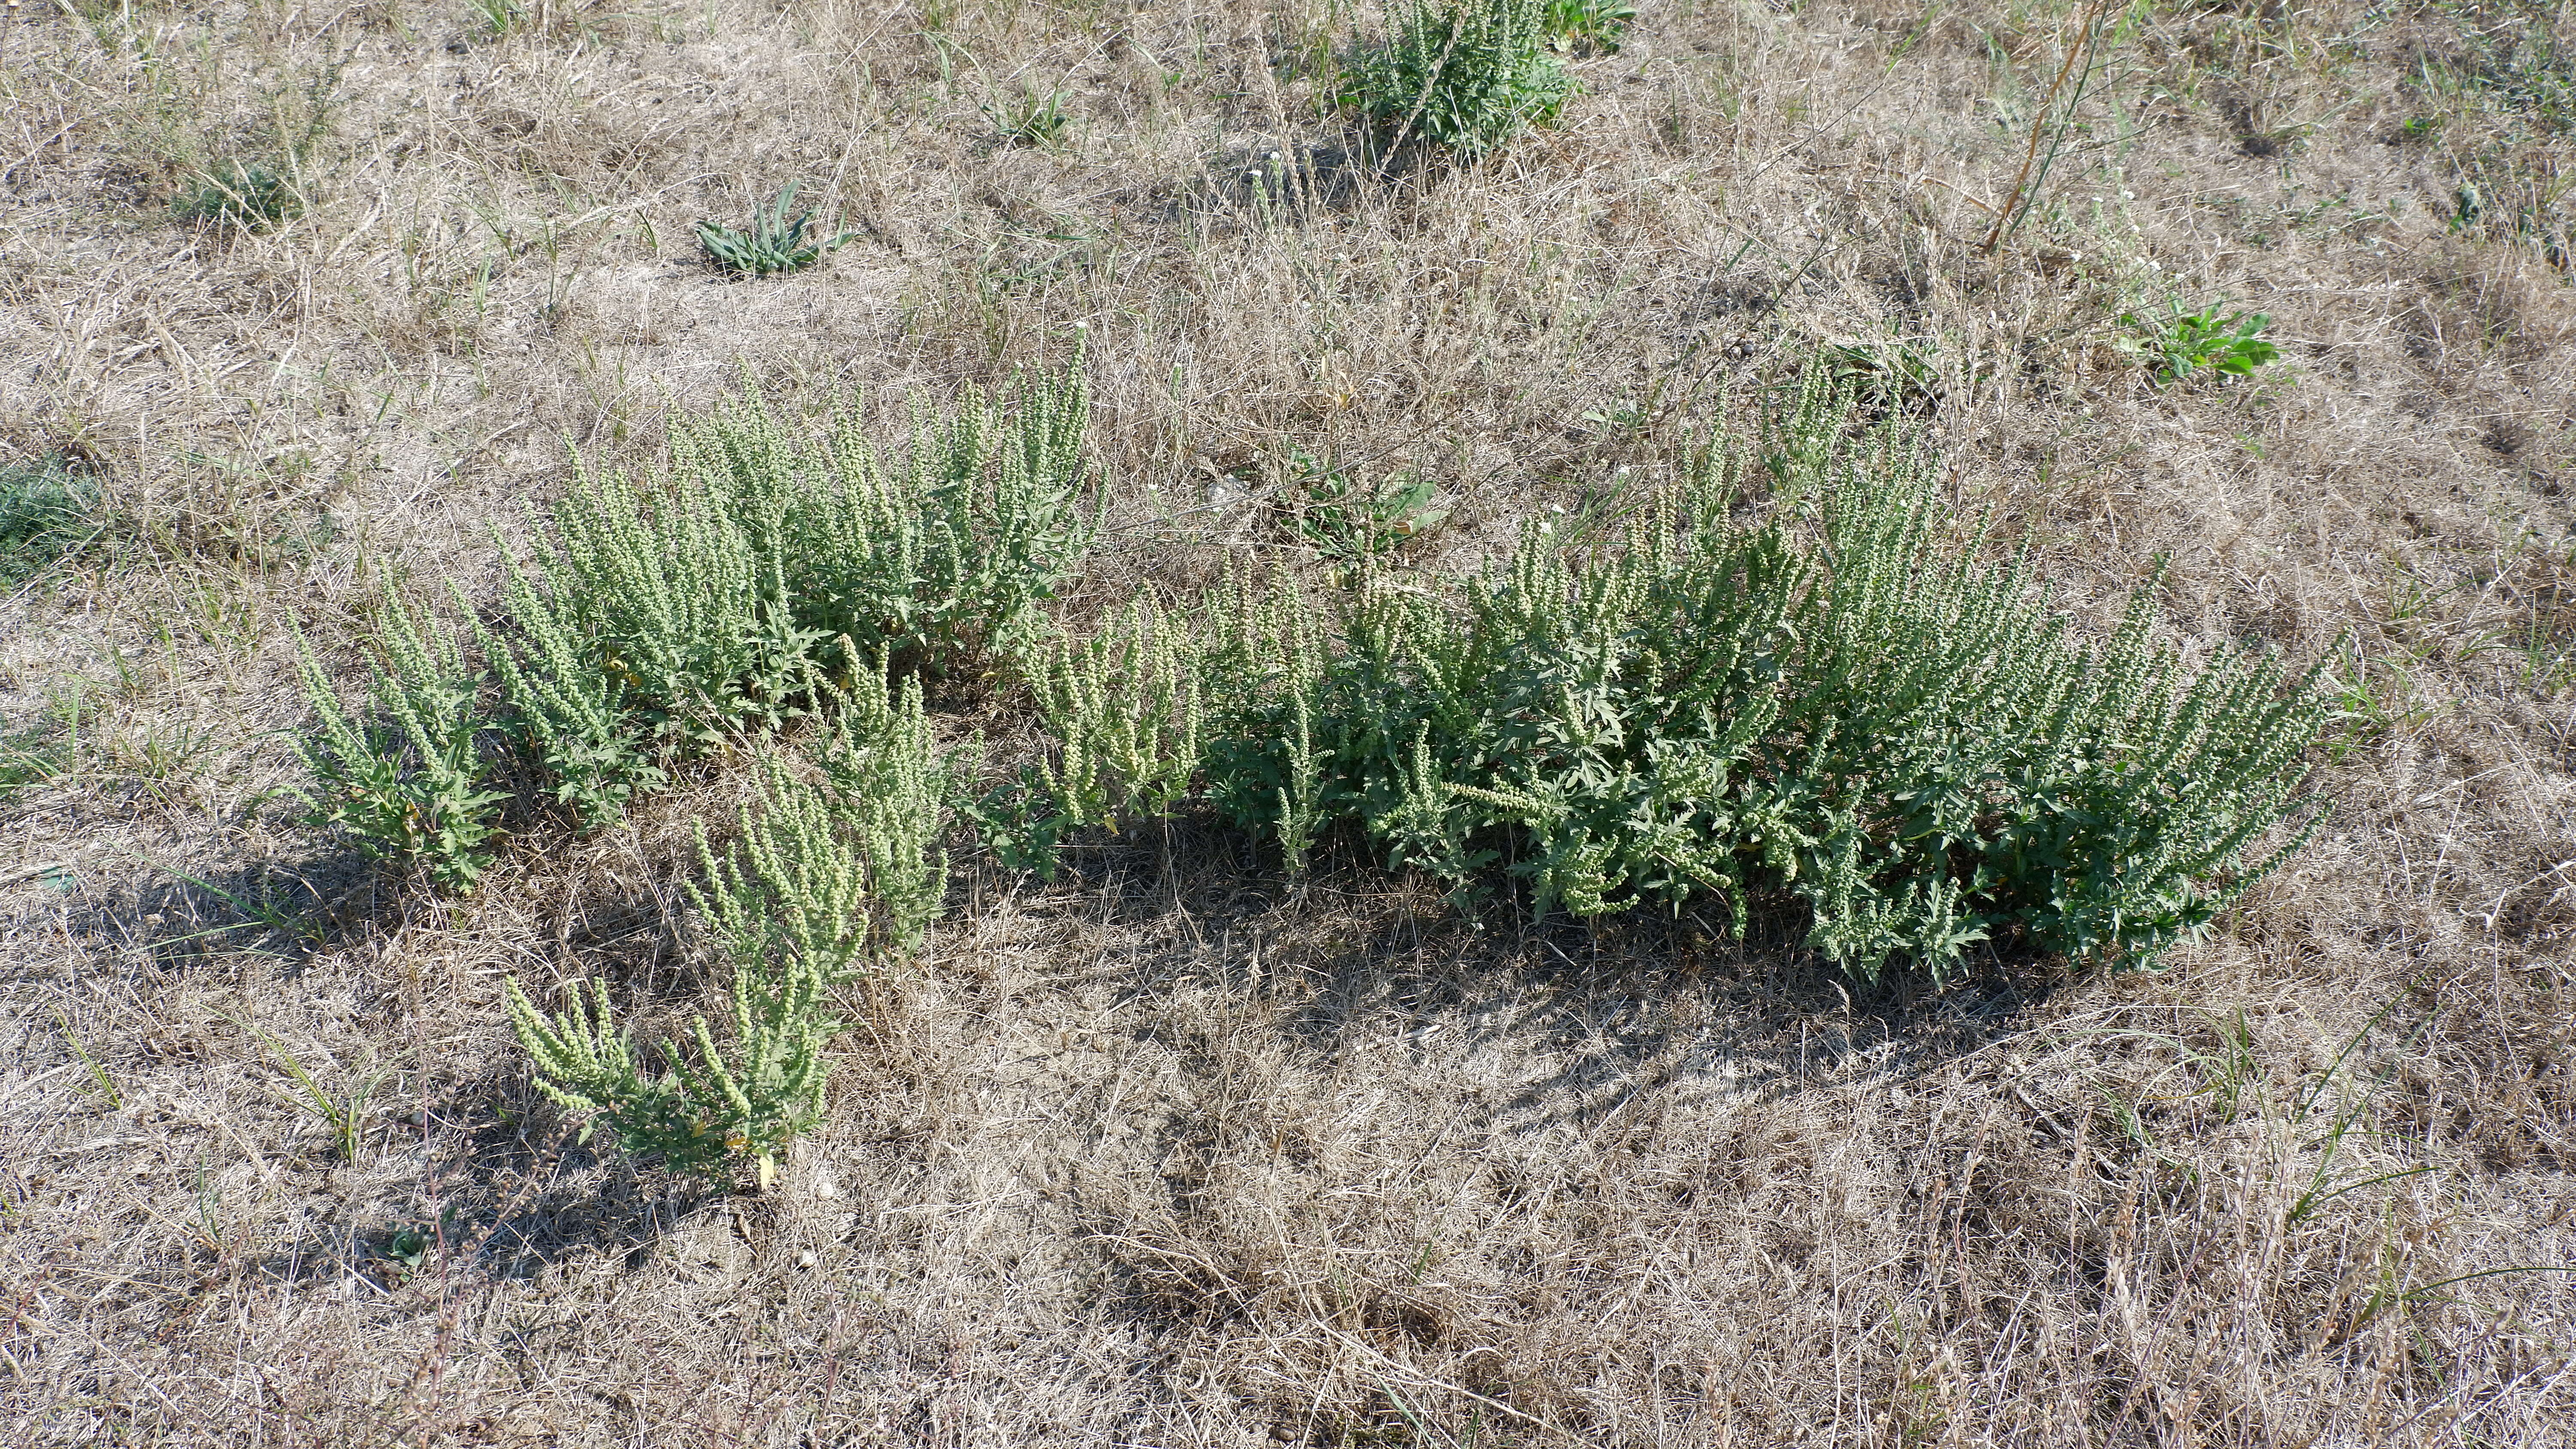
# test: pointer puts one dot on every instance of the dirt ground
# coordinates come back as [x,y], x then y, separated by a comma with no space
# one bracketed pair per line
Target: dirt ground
[1171,1151]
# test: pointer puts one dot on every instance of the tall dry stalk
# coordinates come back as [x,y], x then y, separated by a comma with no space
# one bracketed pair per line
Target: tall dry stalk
[2025,186]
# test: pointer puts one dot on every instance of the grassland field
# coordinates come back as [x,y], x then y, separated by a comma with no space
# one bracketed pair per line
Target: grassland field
[308,307]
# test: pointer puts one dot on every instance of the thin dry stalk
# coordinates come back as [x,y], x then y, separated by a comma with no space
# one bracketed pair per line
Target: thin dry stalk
[2050,121]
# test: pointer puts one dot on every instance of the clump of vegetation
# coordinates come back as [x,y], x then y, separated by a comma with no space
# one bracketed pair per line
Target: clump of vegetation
[1589,26]
[2515,53]
[828,881]
[1192,1146]
[48,511]
[775,243]
[569,703]
[749,586]
[500,17]
[1030,118]
[1125,712]
[1345,520]
[1841,708]
[250,194]
[1884,377]
[723,595]
[1467,75]
[413,784]
[2181,342]
[33,759]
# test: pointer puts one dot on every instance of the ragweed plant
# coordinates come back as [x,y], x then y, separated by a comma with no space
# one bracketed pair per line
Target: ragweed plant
[941,564]
[1347,521]
[568,702]
[1842,706]
[1123,712]
[412,784]
[721,593]
[760,580]
[889,780]
[1265,655]
[697,1115]
[791,889]
[1468,75]
[822,887]
[1126,708]
[680,582]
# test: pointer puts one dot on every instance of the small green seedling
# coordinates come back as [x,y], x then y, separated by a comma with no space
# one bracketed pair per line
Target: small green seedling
[345,1114]
[2468,207]
[1345,520]
[410,1246]
[33,760]
[775,243]
[97,1074]
[1622,417]
[210,1210]
[1032,118]
[2180,343]
[1884,377]
[500,17]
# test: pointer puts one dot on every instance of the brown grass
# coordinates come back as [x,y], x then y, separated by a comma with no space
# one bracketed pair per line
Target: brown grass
[1168,1152]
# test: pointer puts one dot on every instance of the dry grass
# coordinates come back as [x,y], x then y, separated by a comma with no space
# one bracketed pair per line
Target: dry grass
[1169,1153]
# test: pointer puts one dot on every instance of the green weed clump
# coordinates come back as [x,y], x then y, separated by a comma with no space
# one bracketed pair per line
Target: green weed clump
[721,596]
[2180,342]
[1588,26]
[1346,521]
[569,701]
[1467,75]
[892,786]
[414,783]
[1031,117]
[775,243]
[1125,712]
[1827,700]
[830,880]
[1843,708]
[748,586]
[2501,95]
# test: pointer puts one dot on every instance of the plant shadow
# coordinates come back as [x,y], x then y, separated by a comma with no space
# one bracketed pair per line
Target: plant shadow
[1591,1011]
[1324,175]
[286,911]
